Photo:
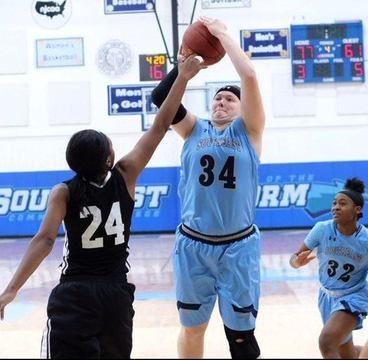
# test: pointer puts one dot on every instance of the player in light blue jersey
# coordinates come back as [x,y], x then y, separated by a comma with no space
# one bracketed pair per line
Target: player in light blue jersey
[217,250]
[342,252]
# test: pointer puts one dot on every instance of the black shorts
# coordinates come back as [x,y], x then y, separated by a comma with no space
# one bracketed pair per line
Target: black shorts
[89,320]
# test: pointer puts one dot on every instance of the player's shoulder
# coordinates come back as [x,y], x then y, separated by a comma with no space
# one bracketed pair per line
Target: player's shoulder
[60,188]
[363,230]
[324,225]
[60,192]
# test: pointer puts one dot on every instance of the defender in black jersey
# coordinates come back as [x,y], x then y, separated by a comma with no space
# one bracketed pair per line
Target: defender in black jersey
[90,312]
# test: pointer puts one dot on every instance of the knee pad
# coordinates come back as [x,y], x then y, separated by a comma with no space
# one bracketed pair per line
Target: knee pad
[242,344]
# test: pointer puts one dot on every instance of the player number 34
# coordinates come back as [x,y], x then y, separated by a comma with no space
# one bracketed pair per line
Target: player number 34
[114,226]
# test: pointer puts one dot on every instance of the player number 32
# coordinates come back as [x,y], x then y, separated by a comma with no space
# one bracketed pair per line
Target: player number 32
[114,226]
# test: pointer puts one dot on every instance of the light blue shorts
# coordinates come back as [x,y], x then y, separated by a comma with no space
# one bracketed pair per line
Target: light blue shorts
[356,303]
[228,272]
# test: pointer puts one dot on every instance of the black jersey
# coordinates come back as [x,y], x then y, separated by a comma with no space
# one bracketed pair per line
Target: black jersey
[96,239]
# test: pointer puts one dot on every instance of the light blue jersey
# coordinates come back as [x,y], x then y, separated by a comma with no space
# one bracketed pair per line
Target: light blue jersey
[343,260]
[219,172]
[343,266]
[217,249]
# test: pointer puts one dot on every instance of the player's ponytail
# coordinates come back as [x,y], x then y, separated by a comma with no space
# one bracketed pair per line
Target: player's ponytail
[86,155]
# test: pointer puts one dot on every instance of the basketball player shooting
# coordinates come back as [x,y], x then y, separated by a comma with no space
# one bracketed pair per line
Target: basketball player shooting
[217,250]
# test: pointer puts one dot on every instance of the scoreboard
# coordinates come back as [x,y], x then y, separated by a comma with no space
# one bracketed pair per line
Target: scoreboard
[325,53]
[152,67]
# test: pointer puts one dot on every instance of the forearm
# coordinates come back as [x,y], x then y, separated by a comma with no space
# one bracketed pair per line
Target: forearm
[161,91]
[238,57]
[37,250]
[172,102]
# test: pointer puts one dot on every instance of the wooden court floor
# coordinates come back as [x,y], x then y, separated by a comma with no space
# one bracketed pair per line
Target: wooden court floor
[288,322]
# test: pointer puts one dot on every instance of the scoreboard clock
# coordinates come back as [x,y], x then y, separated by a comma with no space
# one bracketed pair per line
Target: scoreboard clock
[152,67]
[325,53]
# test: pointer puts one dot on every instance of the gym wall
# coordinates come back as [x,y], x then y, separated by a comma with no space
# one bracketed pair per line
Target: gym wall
[315,134]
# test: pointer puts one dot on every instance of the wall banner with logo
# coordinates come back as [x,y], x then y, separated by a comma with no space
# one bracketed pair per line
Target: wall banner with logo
[295,195]
[130,100]
[265,44]
[124,6]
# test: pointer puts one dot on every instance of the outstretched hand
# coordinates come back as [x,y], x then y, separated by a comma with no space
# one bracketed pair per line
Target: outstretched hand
[190,66]
[303,258]
[5,298]
[214,26]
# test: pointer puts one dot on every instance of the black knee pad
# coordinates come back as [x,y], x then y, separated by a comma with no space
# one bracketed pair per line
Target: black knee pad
[246,349]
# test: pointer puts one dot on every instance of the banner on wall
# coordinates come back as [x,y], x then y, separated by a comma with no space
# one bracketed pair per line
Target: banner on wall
[124,6]
[265,44]
[295,195]
[216,4]
[59,52]
[300,194]
[130,100]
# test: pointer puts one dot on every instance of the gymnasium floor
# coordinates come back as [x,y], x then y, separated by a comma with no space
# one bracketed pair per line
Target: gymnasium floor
[288,322]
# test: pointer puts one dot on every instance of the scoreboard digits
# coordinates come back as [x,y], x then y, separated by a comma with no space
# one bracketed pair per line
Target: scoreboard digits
[327,53]
[152,67]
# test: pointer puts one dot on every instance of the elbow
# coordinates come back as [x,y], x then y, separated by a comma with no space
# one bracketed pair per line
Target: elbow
[46,244]
[249,74]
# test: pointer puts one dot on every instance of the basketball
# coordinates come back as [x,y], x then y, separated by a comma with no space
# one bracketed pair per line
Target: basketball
[198,40]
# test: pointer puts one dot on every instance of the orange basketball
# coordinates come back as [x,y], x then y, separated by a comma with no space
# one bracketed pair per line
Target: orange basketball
[198,40]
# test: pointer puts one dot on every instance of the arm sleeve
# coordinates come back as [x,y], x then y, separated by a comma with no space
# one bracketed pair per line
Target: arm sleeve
[160,92]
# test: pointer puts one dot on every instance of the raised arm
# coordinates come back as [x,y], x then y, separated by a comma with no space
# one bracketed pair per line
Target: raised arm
[252,111]
[134,162]
[40,245]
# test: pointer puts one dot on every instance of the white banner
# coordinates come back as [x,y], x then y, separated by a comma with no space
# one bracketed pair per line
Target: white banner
[215,4]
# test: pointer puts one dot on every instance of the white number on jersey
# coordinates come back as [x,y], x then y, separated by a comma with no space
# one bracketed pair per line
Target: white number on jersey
[114,226]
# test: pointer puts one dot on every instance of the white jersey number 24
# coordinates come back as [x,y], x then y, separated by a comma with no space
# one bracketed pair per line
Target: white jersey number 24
[114,226]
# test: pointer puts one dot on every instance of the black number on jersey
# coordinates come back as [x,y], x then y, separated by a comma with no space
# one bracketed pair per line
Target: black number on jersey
[332,269]
[226,174]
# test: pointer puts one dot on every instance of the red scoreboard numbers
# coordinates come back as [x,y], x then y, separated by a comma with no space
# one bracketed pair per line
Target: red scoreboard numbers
[152,67]
[323,53]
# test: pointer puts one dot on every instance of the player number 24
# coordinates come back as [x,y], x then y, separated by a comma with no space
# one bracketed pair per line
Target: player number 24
[114,226]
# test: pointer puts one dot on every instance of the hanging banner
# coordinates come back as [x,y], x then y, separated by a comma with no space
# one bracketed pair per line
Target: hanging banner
[216,4]
[59,52]
[128,6]
[261,44]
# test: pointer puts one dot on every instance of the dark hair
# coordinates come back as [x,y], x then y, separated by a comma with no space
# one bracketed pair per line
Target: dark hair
[86,155]
[354,189]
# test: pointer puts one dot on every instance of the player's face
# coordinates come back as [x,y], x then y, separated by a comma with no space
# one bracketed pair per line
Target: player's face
[343,209]
[225,105]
